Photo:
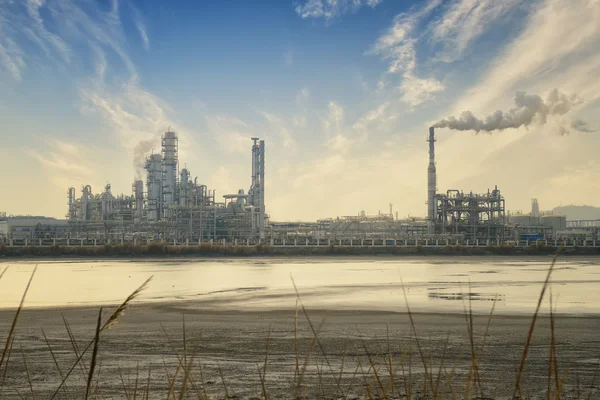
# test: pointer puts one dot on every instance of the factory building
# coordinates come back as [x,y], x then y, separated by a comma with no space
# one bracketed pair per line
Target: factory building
[170,205]
[173,207]
[31,228]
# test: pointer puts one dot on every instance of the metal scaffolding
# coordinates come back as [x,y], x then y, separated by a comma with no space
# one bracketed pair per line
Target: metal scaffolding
[476,216]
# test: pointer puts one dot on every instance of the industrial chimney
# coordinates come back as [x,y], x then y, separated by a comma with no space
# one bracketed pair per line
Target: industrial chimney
[431,184]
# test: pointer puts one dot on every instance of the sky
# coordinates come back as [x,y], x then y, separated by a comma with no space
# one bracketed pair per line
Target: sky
[342,91]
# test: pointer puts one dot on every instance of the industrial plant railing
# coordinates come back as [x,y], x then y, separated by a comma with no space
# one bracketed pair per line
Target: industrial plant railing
[311,242]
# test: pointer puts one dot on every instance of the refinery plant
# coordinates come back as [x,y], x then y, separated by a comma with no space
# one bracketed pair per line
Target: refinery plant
[172,207]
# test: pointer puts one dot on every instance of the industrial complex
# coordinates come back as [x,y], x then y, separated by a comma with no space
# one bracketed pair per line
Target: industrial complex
[172,207]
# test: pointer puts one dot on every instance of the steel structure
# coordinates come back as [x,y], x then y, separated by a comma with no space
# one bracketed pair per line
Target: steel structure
[256,194]
[431,183]
[170,159]
[476,216]
[172,210]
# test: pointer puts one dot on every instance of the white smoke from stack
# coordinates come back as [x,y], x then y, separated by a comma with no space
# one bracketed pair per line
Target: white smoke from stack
[139,155]
[529,109]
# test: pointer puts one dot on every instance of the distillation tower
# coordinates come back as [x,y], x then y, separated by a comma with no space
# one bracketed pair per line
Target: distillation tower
[256,194]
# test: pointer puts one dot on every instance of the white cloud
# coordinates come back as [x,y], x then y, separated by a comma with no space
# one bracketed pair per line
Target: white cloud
[281,128]
[333,124]
[464,21]
[398,46]
[460,23]
[141,27]
[374,119]
[65,162]
[232,134]
[328,9]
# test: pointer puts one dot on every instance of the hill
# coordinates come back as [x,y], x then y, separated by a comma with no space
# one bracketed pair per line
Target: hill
[578,212]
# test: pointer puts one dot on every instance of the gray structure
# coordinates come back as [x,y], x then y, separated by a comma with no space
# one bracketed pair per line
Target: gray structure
[431,184]
[178,210]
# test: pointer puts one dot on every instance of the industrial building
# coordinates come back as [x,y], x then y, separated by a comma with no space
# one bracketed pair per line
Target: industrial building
[171,206]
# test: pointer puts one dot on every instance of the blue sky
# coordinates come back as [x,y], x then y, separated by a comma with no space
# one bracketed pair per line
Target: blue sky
[343,92]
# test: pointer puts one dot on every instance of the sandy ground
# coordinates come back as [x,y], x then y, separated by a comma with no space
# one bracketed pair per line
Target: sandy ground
[149,338]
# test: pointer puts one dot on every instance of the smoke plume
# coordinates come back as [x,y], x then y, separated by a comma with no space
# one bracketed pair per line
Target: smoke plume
[139,155]
[529,109]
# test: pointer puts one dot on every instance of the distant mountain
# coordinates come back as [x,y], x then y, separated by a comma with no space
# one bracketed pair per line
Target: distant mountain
[578,212]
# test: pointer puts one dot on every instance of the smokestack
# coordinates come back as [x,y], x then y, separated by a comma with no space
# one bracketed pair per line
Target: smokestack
[431,183]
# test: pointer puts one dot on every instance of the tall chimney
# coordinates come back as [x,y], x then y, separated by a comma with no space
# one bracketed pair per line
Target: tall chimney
[431,184]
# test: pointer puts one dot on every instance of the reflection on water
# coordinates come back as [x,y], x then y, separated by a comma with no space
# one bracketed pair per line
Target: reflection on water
[431,284]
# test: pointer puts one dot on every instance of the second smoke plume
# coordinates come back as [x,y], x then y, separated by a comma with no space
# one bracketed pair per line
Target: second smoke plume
[529,109]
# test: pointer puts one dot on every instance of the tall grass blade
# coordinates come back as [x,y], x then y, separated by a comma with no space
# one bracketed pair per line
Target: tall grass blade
[137,376]
[6,366]
[112,320]
[532,327]
[4,271]
[27,373]
[11,332]
[339,387]
[94,355]
[75,346]
[224,383]
[414,329]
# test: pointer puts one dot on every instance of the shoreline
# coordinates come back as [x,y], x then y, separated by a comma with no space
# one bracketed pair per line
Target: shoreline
[231,344]
[211,251]
[196,307]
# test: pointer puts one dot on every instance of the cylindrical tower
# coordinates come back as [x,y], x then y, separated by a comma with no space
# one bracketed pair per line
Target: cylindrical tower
[431,183]
[184,187]
[154,186]
[169,169]
[71,194]
[138,197]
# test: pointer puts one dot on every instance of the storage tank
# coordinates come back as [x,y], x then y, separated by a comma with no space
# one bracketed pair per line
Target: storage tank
[556,222]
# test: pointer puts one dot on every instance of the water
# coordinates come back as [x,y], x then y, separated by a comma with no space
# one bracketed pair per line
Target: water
[432,284]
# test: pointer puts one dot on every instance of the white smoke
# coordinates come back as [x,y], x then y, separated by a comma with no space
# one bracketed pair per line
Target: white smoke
[529,109]
[139,155]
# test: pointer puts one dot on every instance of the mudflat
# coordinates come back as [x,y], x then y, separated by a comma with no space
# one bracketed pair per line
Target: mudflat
[226,352]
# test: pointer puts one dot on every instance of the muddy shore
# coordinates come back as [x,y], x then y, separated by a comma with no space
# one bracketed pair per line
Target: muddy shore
[150,338]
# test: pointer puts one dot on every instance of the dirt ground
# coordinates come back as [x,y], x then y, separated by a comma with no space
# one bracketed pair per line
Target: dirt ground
[226,350]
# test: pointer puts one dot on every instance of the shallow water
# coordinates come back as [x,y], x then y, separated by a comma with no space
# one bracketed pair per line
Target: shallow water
[432,284]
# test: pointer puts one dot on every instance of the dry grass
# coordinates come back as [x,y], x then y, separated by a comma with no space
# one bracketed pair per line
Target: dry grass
[389,372]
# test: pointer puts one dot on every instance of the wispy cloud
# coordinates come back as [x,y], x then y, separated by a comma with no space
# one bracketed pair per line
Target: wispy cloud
[328,9]
[460,23]
[466,20]
[64,162]
[374,119]
[281,128]
[141,27]
[230,133]
[398,46]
